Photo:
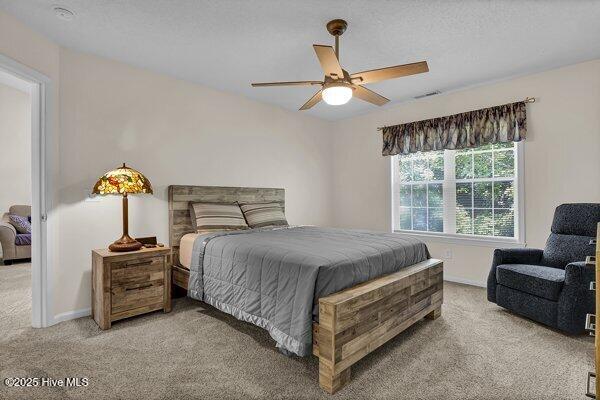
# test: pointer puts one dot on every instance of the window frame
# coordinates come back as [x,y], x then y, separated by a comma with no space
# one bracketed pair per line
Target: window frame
[450,203]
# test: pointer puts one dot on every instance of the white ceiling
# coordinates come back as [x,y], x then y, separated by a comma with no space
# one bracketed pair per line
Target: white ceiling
[227,44]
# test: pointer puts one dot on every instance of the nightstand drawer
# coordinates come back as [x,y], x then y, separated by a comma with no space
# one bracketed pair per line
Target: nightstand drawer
[126,284]
[138,262]
[138,295]
[137,271]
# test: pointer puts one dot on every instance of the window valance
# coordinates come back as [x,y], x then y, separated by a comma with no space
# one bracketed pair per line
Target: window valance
[505,123]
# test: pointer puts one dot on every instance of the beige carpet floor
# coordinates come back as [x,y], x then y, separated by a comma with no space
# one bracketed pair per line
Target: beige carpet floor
[474,351]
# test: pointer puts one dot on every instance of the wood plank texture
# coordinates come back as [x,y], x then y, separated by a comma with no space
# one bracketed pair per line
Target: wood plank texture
[356,321]
[180,196]
[128,284]
[147,270]
[100,291]
[181,277]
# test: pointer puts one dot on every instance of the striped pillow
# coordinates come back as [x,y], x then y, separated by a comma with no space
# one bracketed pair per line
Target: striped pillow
[216,216]
[264,214]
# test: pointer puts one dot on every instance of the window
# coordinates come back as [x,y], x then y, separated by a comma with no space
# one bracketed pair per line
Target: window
[421,187]
[462,193]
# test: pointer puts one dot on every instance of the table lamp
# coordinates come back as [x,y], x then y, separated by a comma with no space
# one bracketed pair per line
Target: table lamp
[123,181]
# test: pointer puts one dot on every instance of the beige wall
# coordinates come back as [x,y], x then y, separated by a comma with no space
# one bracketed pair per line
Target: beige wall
[561,154]
[15,147]
[180,133]
[174,132]
[29,48]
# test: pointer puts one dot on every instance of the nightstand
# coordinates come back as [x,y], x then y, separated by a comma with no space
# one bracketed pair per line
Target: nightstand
[129,284]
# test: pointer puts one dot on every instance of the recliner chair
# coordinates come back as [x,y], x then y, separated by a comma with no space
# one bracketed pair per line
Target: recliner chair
[551,286]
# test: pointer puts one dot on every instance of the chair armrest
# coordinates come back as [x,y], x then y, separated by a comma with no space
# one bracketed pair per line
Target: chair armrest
[8,233]
[510,256]
[579,273]
[517,256]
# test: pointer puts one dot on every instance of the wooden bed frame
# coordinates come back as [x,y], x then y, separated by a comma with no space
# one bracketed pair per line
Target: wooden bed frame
[353,322]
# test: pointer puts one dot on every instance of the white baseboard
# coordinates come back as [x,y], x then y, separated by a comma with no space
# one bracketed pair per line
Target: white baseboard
[66,316]
[464,281]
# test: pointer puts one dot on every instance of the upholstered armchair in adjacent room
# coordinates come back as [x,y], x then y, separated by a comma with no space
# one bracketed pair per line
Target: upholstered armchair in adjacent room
[15,245]
[551,286]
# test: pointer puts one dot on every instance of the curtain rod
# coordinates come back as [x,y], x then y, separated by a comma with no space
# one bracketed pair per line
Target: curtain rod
[527,100]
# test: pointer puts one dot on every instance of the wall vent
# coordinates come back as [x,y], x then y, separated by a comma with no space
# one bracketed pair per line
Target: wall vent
[428,94]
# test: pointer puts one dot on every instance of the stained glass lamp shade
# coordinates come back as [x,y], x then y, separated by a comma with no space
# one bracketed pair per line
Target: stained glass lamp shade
[123,181]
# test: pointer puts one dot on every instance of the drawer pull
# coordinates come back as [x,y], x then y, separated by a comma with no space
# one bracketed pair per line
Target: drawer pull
[150,285]
[590,322]
[590,260]
[593,242]
[593,285]
[588,391]
[139,263]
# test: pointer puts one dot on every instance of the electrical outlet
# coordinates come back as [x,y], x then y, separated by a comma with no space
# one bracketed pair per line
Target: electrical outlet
[448,254]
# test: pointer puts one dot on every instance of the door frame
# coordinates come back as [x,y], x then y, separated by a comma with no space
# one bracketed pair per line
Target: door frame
[43,216]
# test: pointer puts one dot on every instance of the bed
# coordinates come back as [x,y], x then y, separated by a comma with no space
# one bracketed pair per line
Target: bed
[338,294]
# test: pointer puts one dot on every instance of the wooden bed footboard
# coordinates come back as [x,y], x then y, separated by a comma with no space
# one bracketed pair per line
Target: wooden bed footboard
[356,321]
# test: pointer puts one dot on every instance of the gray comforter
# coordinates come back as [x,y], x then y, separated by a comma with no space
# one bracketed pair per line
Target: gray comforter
[273,278]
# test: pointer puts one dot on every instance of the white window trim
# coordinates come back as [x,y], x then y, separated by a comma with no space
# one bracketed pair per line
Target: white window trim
[491,241]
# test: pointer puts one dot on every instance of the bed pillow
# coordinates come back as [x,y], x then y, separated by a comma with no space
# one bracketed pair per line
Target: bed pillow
[259,215]
[20,223]
[216,216]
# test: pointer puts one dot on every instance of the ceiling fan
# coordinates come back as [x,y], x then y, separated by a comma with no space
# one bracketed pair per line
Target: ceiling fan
[339,86]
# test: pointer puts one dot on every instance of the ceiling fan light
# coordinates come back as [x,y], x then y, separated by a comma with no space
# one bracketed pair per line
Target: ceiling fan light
[337,95]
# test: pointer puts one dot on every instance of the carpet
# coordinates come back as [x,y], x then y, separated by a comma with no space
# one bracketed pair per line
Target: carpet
[475,350]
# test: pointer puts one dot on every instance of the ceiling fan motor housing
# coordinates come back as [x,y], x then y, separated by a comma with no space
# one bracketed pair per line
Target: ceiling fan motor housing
[337,27]
[337,83]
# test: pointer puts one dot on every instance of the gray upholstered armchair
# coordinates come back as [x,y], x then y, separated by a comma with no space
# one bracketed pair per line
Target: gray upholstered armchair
[551,286]
[14,245]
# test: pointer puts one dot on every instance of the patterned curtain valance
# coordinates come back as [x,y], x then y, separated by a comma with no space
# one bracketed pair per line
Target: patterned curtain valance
[506,123]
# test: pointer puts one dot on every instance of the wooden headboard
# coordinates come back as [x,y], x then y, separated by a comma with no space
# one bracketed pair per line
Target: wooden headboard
[180,196]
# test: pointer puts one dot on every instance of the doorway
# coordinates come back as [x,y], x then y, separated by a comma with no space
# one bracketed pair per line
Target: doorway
[15,202]
[31,267]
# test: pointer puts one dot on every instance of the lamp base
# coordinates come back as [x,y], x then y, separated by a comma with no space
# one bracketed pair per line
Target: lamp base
[125,243]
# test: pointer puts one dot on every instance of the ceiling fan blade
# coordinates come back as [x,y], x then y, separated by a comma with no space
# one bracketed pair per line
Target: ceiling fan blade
[368,95]
[293,83]
[381,74]
[312,101]
[329,62]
